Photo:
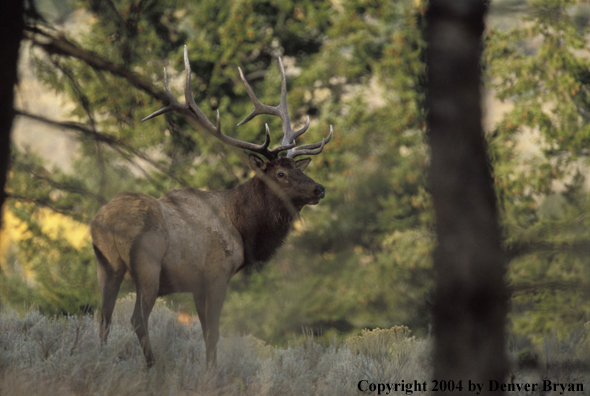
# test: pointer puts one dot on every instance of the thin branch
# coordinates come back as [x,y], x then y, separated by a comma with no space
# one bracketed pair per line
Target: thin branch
[80,95]
[104,138]
[142,170]
[115,13]
[581,247]
[54,43]
[60,186]
[47,203]
[86,104]
[528,288]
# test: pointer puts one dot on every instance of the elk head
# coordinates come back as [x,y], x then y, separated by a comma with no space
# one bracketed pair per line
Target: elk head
[286,178]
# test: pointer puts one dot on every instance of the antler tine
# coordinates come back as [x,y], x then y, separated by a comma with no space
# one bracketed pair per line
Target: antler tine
[310,149]
[174,105]
[202,120]
[259,107]
[280,111]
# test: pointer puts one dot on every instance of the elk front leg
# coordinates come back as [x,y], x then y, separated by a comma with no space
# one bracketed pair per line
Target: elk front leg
[214,303]
[200,299]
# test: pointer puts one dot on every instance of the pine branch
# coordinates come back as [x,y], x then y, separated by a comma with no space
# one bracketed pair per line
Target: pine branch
[55,43]
[531,288]
[48,203]
[580,247]
[114,143]
[34,171]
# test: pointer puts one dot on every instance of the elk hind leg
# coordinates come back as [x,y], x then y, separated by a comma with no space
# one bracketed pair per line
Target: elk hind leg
[145,271]
[146,298]
[109,282]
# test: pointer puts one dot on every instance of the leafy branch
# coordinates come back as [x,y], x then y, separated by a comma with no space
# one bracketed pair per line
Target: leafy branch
[56,43]
[40,173]
[121,147]
[46,202]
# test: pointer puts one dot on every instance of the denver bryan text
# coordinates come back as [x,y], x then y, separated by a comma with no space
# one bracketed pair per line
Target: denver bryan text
[545,386]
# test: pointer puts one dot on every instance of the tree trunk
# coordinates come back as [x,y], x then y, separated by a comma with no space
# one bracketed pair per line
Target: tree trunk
[11,28]
[470,299]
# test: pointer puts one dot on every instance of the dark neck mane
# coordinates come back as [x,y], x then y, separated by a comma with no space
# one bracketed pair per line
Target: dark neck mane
[262,219]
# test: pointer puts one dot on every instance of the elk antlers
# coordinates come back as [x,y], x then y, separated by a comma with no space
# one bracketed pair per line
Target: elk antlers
[280,111]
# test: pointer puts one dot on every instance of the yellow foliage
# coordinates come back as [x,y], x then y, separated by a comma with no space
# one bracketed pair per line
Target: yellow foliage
[53,224]
[12,230]
[379,341]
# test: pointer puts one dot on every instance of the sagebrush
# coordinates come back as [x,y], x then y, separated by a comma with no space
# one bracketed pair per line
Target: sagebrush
[62,355]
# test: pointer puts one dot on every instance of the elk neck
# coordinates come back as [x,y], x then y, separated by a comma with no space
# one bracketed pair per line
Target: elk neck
[262,218]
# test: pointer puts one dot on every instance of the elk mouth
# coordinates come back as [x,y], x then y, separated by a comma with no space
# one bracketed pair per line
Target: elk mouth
[320,193]
[314,201]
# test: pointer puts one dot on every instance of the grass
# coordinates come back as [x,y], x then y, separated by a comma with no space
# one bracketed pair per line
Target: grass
[62,356]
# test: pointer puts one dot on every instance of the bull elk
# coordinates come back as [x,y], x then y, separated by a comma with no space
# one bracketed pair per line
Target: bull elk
[194,241]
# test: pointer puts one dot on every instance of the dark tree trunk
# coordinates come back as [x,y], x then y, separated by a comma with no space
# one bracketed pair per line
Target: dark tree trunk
[11,30]
[470,299]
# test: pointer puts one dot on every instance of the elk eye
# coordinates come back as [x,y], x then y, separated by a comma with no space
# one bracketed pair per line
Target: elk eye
[280,175]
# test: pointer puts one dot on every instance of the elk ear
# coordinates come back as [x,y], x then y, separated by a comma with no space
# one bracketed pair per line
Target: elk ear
[302,164]
[256,164]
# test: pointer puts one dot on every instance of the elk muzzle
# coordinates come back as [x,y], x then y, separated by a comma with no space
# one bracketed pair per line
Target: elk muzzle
[319,193]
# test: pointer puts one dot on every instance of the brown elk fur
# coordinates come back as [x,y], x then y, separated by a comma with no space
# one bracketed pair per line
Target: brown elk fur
[194,241]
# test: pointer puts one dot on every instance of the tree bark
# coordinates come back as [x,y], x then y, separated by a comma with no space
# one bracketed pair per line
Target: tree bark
[470,297]
[11,29]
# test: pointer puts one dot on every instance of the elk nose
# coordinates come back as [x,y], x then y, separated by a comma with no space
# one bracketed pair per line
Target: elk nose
[320,191]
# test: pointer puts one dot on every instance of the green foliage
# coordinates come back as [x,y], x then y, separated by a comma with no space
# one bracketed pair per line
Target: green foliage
[541,67]
[334,293]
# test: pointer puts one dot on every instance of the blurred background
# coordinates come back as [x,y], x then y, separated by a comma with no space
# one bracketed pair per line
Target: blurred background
[91,70]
